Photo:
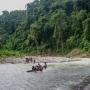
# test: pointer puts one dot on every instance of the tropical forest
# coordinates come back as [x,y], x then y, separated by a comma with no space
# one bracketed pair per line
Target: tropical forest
[46,26]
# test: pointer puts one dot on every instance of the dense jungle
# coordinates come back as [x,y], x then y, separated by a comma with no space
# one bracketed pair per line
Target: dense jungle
[46,27]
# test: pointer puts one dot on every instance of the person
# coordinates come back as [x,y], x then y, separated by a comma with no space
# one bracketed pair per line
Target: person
[27,60]
[33,68]
[39,66]
[34,61]
[30,59]
[45,65]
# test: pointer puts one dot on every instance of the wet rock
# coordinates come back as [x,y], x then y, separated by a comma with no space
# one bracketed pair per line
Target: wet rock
[83,85]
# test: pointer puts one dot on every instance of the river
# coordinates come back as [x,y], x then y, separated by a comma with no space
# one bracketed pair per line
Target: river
[58,76]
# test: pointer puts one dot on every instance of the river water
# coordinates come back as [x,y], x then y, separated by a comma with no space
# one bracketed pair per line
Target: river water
[58,76]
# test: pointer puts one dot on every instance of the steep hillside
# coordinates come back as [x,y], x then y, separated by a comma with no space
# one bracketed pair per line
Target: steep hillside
[57,26]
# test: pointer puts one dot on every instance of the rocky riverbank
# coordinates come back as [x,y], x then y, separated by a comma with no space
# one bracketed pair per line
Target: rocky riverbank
[39,59]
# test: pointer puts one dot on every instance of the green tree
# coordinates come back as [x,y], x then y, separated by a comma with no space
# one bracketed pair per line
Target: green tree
[34,33]
[60,21]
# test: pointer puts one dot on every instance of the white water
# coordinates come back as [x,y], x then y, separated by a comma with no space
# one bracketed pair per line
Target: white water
[58,76]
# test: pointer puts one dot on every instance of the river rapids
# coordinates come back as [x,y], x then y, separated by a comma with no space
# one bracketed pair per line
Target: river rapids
[58,76]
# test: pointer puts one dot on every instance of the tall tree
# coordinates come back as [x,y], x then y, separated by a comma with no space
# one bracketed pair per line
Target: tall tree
[60,20]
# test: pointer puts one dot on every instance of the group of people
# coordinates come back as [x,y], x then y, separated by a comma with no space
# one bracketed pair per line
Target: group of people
[30,59]
[39,67]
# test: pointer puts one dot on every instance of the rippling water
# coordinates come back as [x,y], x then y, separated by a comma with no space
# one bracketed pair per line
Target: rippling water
[58,76]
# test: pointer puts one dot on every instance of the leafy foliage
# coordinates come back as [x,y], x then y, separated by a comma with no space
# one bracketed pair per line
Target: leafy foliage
[56,25]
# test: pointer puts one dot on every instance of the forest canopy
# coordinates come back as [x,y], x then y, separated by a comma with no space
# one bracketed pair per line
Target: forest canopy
[47,26]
